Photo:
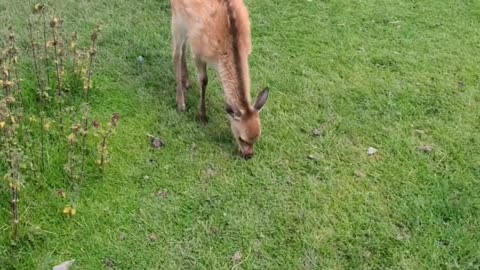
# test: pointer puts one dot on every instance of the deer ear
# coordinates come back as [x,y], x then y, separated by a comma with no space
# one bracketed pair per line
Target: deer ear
[233,111]
[261,100]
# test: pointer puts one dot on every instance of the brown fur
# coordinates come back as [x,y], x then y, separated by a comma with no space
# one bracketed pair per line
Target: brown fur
[219,35]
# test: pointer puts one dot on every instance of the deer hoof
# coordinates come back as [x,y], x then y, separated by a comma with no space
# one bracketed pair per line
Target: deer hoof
[181,107]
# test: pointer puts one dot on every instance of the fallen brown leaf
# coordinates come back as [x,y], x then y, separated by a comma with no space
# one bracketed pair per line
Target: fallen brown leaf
[61,193]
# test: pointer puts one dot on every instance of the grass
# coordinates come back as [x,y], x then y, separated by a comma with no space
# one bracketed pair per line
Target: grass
[394,75]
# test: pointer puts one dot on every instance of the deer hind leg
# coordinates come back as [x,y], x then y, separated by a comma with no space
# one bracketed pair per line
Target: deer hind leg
[185,78]
[179,43]
[203,80]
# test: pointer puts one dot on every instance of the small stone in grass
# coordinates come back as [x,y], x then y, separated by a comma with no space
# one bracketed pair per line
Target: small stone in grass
[153,238]
[318,132]
[360,174]
[123,236]
[209,172]
[64,266]
[162,193]
[372,151]
[312,157]
[214,231]
[140,60]
[157,143]
[237,257]
[426,148]
[109,263]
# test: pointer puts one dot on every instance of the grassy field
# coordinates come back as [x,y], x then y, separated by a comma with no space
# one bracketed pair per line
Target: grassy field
[395,75]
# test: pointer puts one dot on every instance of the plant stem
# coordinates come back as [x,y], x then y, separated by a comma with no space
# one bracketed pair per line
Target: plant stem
[102,157]
[41,88]
[74,52]
[87,89]
[16,219]
[45,47]
[34,56]
[13,61]
[58,67]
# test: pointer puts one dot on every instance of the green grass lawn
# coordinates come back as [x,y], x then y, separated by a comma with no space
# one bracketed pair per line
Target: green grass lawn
[395,75]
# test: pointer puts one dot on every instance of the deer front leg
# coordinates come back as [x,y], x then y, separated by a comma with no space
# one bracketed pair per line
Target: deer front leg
[203,80]
[185,78]
[177,58]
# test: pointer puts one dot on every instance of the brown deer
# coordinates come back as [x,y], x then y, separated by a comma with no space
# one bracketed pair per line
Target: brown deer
[219,35]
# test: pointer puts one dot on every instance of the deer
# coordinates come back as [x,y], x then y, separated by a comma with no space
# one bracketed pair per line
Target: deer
[219,35]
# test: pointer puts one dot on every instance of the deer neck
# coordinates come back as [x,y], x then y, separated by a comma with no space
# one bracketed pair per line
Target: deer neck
[235,79]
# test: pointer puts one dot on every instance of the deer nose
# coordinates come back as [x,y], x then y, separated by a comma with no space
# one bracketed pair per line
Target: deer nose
[247,153]
[247,156]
